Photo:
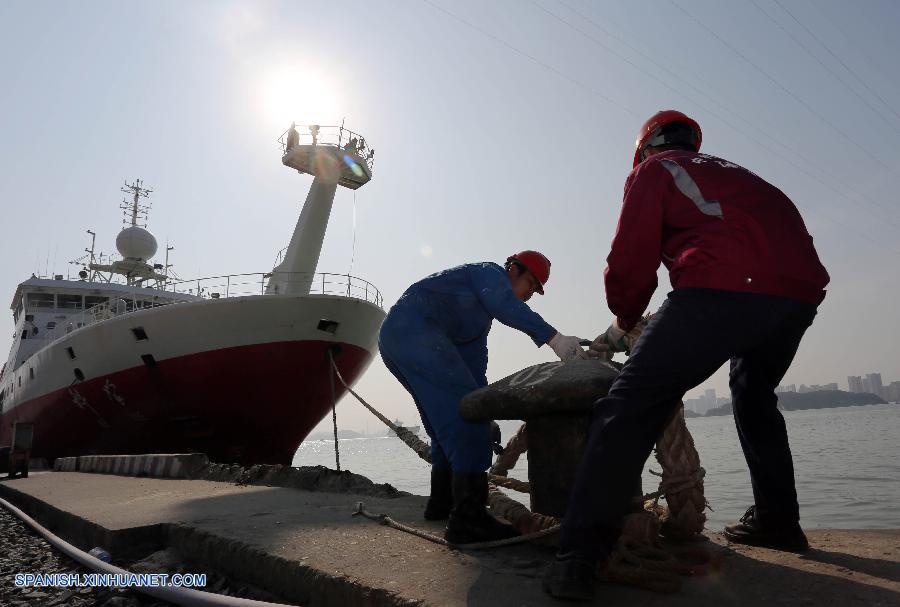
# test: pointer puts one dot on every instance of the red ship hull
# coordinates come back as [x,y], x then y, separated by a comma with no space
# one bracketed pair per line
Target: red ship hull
[249,404]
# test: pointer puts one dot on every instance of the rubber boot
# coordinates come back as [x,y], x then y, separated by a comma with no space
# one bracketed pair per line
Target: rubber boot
[470,522]
[441,500]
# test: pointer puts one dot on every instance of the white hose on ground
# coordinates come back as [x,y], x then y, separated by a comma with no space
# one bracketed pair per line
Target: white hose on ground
[186,597]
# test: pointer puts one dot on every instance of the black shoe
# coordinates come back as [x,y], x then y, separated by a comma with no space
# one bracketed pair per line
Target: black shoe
[441,500]
[470,522]
[570,578]
[751,531]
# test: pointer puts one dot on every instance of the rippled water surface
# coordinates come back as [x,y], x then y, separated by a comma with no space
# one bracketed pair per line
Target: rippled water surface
[847,465]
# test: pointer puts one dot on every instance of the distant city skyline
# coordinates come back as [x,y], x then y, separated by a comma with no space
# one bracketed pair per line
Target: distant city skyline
[870,383]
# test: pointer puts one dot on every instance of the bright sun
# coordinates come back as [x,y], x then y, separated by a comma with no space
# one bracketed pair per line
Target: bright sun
[298,93]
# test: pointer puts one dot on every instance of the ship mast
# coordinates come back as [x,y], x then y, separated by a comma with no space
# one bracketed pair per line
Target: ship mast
[334,156]
[135,244]
[135,207]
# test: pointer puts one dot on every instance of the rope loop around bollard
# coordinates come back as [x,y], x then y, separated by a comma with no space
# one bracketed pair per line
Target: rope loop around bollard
[637,561]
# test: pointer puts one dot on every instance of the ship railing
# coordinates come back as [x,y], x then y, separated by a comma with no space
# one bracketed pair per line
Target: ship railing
[332,136]
[318,283]
[97,313]
[219,287]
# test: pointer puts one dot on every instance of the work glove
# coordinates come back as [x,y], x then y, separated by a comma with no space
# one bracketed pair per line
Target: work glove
[599,349]
[566,347]
[615,339]
[496,439]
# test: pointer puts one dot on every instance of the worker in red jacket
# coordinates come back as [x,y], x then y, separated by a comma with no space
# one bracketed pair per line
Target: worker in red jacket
[746,285]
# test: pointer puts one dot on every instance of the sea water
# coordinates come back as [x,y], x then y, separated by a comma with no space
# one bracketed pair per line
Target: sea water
[846,461]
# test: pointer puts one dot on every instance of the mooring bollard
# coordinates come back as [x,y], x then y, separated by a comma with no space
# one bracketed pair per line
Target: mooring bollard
[555,400]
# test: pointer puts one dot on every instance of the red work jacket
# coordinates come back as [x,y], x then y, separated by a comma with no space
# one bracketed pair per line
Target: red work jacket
[714,225]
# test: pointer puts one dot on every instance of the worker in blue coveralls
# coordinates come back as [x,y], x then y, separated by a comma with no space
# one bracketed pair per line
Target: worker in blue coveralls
[434,341]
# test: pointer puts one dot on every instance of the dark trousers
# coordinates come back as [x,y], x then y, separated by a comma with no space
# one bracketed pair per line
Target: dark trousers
[693,334]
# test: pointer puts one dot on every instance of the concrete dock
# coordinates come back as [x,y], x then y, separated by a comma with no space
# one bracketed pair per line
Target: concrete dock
[305,547]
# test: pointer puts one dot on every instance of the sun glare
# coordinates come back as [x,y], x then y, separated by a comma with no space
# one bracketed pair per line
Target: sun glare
[300,94]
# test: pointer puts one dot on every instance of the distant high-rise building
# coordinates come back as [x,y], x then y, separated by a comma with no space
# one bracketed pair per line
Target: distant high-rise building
[855,384]
[709,396]
[892,392]
[697,405]
[690,404]
[874,381]
[831,386]
[802,389]
[786,388]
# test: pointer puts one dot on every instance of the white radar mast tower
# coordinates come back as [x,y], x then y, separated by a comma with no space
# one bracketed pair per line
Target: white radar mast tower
[335,156]
[135,243]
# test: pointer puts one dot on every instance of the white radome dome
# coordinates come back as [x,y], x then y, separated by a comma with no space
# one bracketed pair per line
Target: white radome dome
[136,243]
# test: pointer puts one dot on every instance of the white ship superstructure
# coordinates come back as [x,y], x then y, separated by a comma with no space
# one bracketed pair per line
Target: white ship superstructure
[126,358]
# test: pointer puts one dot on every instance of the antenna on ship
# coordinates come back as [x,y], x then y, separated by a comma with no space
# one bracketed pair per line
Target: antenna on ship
[135,243]
[88,260]
[335,156]
[135,208]
[91,252]
[167,264]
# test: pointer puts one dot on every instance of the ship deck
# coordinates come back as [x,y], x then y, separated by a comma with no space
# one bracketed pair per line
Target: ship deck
[306,547]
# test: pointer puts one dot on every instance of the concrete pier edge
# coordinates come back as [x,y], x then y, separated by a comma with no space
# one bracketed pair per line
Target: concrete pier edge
[304,547]
[291,580]
[167,465]
[196,466]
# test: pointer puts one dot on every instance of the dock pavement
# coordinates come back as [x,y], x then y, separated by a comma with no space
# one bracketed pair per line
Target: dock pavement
[307,548]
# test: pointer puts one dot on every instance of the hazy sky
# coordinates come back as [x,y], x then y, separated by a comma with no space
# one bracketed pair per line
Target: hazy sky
[499,126]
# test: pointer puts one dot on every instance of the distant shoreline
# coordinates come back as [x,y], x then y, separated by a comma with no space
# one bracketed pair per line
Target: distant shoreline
[787,401]
[795,401]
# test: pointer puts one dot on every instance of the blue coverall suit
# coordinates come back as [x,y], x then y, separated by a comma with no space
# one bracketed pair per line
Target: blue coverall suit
[434,341]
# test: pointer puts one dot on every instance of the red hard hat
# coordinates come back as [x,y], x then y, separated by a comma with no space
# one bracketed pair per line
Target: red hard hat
[660,119]
[536,263]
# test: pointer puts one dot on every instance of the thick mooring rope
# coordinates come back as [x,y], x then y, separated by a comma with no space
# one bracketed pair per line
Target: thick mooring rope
[516,446]
[337,450]
[421,448]
[681,481]
[638,559]
[384,519]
